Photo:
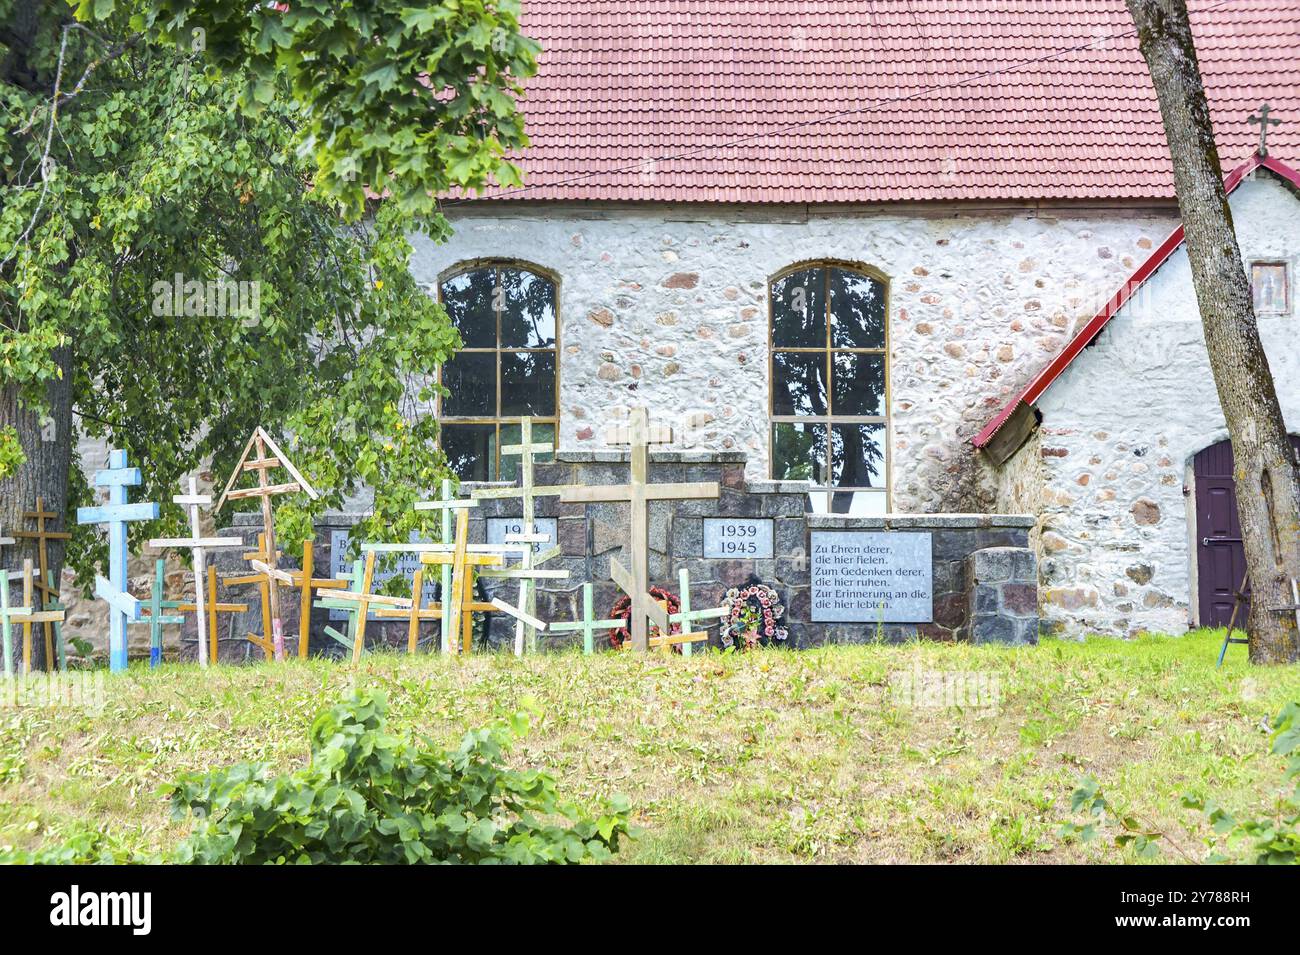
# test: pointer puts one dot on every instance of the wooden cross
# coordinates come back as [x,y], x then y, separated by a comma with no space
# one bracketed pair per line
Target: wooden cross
[588,624]
[447,503]
[211,607]
[525,613]
[457,601]
[258,559]
[306,583]
[415,613]
[156,618]
[45,585]
[687,617]
[26,614]
[348,641]
[122,607]
[265,490]
[1263,122]
[53,605]
[639,435]
[199,545]
[363,598]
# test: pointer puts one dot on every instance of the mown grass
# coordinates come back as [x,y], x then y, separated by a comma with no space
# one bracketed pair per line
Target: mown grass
[766,757]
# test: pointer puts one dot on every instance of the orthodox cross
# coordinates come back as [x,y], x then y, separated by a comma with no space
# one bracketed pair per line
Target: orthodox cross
[45,583]
[156,618]
[1263,122]
[116,513]
[588,624]
[211,607]
[265,490]
[639,435]
[199,545]
[258,559]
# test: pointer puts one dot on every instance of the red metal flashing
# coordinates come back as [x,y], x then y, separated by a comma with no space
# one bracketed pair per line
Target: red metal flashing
[1043,379]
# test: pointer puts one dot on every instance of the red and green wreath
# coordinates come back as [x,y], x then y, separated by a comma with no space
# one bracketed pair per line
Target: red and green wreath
[623,611]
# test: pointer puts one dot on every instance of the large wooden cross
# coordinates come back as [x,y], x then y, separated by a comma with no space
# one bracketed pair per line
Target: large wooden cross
[639,435]
[122,607]
[211,607]
[260,561]
[45,584]
[199,545]
[265,490]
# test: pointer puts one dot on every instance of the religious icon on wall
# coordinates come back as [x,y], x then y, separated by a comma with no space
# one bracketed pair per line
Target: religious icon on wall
[1268,282]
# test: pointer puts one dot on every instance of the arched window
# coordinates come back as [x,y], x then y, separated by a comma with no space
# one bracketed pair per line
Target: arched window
[829,380]
[507,369]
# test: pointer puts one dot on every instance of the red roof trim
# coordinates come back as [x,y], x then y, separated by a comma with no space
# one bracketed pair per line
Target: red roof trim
[1040,383]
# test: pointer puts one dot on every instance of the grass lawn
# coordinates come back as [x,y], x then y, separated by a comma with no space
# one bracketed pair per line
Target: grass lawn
[768,757]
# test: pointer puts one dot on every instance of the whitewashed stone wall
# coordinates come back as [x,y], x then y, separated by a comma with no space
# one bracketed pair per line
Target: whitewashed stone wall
[1120,429]
[668,308]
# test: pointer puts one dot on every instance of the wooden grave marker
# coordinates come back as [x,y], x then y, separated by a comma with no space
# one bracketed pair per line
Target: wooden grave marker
[261,442]
[211,608]
[256,559]
[199,547]
[122,607]
[588,624]
[26,614]
[638,492]
[46,587]
[156,619]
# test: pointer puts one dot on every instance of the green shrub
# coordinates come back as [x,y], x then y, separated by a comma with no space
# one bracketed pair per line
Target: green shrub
[368,796]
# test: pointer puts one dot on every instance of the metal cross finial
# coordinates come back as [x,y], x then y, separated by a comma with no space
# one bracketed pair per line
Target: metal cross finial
[1263,122]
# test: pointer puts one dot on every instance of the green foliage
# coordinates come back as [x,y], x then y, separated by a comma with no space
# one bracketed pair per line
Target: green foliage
[85,847]
[371,797]
[11,452]
[412,99]
[221,160]
[1271,840]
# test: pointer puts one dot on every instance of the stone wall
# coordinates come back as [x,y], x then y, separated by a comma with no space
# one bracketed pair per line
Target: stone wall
[667,307]
[1120,429]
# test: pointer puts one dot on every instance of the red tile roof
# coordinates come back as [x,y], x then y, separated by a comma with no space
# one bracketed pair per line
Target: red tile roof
[1086,335]
[877,100]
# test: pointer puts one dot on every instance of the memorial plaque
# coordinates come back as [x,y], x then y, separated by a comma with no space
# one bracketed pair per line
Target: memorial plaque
[499,527]
[745,537]
[386,567]
[872,577]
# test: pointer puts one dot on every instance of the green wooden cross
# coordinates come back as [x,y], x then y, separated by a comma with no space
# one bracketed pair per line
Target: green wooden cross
[353,609]
[157,619]
[7,616]
[588,624]
[686,616]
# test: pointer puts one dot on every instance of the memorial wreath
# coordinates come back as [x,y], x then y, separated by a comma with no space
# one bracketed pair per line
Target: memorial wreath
[752,618]
[623,611]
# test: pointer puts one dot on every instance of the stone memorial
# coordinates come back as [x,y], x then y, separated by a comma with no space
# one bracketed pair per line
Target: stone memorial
[872,577]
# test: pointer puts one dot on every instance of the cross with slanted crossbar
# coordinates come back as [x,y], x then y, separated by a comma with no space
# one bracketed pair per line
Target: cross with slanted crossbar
[122,607]
[199,545]
[639,435]
[1263,122]
[156,619]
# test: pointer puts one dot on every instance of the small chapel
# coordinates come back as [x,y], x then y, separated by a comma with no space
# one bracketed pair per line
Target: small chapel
[923,258]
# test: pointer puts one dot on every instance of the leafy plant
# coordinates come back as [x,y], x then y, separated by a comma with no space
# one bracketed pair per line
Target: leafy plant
[1276,840]
[371,797]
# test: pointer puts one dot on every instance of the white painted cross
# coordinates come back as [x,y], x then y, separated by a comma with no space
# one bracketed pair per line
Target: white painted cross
[200,546]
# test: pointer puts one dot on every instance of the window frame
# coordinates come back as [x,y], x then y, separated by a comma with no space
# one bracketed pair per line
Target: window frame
[830,350]
[498,420]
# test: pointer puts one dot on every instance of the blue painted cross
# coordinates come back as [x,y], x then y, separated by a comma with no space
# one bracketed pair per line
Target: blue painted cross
[122,607]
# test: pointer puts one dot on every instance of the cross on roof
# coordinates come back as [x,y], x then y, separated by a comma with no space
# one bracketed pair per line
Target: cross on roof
[638,434]
[116,514]
[1263,121]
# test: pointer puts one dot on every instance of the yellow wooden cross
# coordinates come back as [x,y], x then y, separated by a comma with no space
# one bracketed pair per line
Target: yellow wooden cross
[265,490]
[210,608]
[258,558]
[639,435]
[363,598]
[459,604]
[29,615]
[45,585]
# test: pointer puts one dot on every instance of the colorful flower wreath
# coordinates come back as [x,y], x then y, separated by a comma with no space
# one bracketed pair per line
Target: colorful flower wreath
[623,611]
[753,612]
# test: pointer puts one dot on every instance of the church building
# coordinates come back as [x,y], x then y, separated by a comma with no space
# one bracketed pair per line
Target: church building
[924,257]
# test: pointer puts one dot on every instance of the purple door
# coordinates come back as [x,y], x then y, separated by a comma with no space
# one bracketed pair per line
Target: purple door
[1220,558]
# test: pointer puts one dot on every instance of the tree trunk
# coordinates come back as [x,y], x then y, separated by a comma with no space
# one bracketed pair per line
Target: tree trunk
[1268,486]
[45,474]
